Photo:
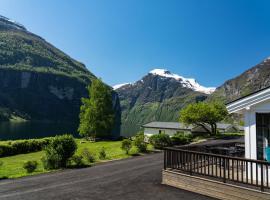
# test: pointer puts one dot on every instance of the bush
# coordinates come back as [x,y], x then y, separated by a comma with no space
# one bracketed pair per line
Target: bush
[159,141]
[23,146]
[59,151]
[102,154]
[126,145]
[77,160]
[30,166]
[1,163]
[90,157]
[139,142]
[181,139]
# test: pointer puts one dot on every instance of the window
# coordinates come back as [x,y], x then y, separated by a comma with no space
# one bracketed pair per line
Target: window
[262,134]
[161,131]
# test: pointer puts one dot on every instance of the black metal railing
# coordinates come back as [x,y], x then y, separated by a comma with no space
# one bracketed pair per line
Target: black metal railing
[224,168]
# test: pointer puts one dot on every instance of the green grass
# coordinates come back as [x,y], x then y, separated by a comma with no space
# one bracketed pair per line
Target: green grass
[13,166]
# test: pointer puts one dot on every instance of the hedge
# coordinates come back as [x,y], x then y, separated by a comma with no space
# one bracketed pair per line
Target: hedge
[23,146]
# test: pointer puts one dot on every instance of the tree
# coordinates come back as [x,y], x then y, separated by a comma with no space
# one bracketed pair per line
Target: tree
[126,145]
[96,113]
[204,114]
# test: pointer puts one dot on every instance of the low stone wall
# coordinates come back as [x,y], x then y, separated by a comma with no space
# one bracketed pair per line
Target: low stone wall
[211,188]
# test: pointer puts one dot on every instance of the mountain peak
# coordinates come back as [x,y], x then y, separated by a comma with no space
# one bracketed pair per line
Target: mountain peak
[187,82]
[11,23]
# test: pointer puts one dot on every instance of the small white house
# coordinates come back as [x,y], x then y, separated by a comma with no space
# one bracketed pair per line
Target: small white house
[256,110]
[171,128]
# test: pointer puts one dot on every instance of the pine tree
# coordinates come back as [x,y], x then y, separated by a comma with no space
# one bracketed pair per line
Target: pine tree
[96,112]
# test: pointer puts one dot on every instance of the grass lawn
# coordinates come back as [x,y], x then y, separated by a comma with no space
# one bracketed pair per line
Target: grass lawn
[13,165]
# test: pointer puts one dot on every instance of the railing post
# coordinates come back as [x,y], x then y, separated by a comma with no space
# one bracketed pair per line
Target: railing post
[165,159]
[262,182]
[224,170]
[190,164]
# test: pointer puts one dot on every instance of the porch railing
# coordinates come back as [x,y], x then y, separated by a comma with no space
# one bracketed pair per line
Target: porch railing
[233,170]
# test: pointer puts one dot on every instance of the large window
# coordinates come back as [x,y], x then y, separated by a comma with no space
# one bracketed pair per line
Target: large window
[262,133]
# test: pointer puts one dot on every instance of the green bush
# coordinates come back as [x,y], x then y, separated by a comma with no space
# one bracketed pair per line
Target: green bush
[77,160]
[139,142]
[1,163]
[90,157]
[23,146]
[159,141]
[126,145]
[102,154]
[181,139]
[59,151]
[30,166]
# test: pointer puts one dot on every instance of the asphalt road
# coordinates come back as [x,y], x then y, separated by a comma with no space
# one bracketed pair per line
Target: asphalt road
[135,178]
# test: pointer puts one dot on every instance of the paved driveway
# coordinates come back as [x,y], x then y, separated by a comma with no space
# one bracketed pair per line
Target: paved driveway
[135,178]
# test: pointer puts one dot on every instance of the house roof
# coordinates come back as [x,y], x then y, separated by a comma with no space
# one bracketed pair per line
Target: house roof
[248,95]
[246,102]
[168,125]
[180,126]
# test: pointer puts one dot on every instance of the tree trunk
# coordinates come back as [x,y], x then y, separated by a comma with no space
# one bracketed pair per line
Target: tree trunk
[213,129]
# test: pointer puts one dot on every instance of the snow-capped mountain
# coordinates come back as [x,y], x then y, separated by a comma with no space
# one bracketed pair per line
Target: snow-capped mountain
[158,96]
[185,82]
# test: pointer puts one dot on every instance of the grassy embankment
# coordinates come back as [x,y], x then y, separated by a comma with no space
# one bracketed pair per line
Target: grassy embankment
[13,165]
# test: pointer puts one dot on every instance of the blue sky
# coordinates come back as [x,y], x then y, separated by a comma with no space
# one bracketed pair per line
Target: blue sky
[121,40]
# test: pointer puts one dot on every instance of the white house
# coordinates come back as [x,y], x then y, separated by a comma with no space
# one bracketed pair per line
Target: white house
[171,128]
[256,110]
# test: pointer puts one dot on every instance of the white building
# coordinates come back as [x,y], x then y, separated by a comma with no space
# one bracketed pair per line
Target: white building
[171,128]
[256,110]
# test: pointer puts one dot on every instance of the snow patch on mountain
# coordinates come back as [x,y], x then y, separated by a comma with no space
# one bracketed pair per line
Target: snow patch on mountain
[187,82]
[115,87]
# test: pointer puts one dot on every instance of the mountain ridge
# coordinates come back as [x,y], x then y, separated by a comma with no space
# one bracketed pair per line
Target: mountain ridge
[187,82]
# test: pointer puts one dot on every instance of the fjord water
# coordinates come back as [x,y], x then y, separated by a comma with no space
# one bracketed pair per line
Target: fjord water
[35,129]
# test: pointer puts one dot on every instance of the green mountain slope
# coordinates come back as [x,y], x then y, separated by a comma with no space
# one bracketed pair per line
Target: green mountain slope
[37,80]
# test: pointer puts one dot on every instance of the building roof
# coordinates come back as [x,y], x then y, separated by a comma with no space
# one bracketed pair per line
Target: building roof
[168,125]
[248,95]
[246,102]
[181,126]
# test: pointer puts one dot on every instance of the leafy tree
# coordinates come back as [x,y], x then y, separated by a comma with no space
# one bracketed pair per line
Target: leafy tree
[126,145]
[204,114]
[97,115]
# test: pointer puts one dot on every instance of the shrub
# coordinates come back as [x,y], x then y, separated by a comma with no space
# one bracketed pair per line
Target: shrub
[30,166]
[181,139]
[102,154]
[77,160]
[159,141]
[139,142]
[23,146]
[90,157]
[1,163]
[126,145]
[59,151]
